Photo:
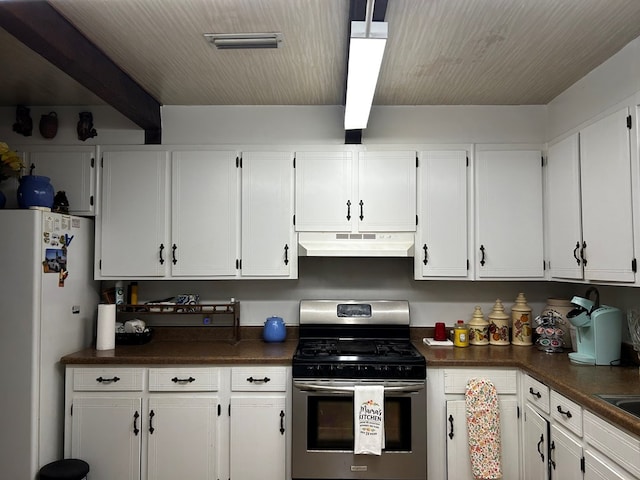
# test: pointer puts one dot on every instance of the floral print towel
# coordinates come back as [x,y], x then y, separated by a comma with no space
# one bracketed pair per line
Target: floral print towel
[483,428]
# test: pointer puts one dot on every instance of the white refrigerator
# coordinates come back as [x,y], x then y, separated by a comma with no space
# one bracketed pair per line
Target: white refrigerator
[48,305]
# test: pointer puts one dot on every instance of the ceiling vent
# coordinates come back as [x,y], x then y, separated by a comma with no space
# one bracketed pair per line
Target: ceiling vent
[230,41]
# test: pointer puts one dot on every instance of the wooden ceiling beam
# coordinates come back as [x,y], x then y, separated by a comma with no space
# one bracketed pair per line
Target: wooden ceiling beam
[40,27]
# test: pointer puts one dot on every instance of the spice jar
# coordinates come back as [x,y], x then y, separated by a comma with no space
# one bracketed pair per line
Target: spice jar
[498,325]
[460,335]
[478,328]
[522,333]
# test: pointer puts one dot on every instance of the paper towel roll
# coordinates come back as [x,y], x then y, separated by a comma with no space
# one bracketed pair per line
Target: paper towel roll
[106,338]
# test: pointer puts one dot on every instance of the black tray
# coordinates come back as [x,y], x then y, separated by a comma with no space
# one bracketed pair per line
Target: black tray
[134,338]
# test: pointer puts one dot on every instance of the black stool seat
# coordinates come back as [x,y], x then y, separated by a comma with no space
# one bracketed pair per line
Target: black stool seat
[67,469]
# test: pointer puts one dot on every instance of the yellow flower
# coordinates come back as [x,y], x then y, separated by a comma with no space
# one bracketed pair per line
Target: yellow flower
[10,163]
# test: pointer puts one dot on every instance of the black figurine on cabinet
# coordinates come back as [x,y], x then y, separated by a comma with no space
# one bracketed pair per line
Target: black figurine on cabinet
[24,124]
[85,126]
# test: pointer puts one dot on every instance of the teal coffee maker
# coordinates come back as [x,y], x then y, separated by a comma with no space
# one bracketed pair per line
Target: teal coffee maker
[598,331]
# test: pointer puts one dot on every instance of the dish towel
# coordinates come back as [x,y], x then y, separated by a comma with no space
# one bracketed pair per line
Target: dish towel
[483,428]
[368,416]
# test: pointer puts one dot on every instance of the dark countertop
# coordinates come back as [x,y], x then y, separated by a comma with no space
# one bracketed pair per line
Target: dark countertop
[577,382]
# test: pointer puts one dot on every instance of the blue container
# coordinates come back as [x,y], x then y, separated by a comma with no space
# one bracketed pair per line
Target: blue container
[35,191]
[274,330]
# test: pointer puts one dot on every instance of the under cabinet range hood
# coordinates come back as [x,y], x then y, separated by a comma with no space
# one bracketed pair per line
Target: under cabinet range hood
[326,244]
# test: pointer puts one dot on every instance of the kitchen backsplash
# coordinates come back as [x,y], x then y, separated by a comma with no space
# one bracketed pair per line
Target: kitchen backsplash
[363,278]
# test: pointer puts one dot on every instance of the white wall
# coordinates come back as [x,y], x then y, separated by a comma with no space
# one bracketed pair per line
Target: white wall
[613,82]
[210,125]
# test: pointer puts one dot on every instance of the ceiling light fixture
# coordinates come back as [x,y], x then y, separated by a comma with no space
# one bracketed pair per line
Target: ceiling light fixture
[228,41]
[366,48]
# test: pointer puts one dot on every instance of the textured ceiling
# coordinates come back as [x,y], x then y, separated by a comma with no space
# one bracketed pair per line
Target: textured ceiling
[439,52]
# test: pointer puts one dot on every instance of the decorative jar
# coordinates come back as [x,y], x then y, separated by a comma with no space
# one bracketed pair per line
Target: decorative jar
[521,331]
[478,328]
[498,325]
[35,191]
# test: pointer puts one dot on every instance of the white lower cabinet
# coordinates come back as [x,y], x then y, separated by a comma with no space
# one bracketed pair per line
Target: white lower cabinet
[106,433]
[535,444]
[610,452]
[178,422]
[258,423]
[447,440]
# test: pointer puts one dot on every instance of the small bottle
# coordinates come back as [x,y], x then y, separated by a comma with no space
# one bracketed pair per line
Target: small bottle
[521,331]
[460,335]
[133,293]
[498,325]
[478,328]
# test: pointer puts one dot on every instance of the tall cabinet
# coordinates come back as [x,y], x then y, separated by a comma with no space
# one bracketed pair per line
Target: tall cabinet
[509,219]
[442,236]
[590,209]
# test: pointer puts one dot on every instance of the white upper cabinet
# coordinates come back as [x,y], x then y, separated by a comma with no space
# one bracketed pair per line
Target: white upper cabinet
[269,246]
[564,209]
[71,169]
[607,219]
[204,213]
[375,194]
[441,237]
[131,239]
[509,231]
[386,192]
[324,182]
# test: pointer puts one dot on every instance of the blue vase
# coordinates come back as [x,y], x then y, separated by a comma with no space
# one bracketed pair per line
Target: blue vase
[3,200]
[35,191]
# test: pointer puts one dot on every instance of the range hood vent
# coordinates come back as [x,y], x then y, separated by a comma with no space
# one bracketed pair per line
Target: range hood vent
[325,244]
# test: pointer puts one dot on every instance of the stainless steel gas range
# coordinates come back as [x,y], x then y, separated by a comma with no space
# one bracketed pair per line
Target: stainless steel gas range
[344,344]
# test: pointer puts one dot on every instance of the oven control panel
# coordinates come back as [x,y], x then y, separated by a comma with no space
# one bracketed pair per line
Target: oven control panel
[360,371]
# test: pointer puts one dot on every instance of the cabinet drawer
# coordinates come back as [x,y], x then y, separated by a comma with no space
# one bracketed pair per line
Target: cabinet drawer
[108,379]
[536,393]
[566,412]
[619,446]
[505,381]
[184,379]
[265,379]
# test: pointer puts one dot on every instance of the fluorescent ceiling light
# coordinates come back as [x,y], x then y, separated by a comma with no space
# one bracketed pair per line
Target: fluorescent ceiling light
[365,57]
[227,41]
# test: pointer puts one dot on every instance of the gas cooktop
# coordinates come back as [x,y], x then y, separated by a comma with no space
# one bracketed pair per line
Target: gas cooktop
[356,340]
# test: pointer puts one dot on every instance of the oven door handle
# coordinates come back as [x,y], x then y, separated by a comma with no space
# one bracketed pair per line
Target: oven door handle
[314,387]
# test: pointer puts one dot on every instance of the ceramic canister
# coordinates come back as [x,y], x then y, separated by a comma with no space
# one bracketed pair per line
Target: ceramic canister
[522,333]
[498,325]
[478,328]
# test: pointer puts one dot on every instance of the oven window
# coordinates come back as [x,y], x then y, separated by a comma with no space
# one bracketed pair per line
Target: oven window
[330,423]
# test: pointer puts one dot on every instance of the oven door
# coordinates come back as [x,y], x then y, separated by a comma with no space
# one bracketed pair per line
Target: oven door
[323,431]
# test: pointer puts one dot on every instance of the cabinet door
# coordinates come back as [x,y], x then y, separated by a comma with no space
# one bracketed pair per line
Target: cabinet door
[182,438]
[324,183]
[205,212]
[441,247]
[258,437]
[386,192]
[509,240]
[106,433]
[72,170]
[607,223]
[269,248]
[134,210]
[535,445]
[564,209]
[565,455]
[458,463]
[598,467]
